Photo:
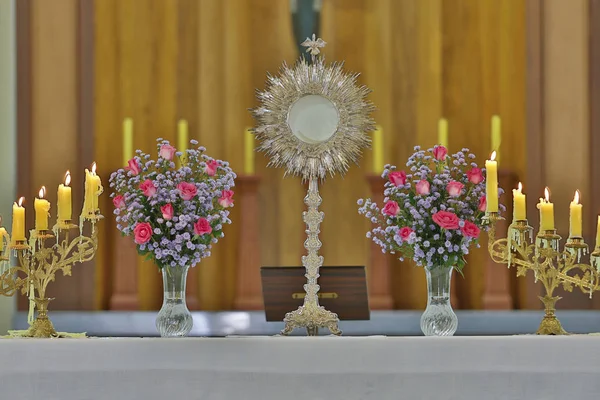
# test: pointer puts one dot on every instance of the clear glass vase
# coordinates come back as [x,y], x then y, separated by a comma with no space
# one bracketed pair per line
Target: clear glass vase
[439,318]
[174,319]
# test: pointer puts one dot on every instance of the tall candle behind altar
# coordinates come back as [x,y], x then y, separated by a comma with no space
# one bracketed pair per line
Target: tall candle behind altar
[248,152]
[546,212]
[491,184]
[496,135]
[576,217]
[18,222]
[42,208]
[443,132]
[64,199]
[127,140]
[377,150]
[519,204]
[182,137]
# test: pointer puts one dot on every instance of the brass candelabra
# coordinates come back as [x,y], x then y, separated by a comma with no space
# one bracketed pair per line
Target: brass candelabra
[38,262]
[550,266]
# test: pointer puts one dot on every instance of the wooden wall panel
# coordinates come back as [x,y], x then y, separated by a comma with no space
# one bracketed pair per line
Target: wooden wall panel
[160,61]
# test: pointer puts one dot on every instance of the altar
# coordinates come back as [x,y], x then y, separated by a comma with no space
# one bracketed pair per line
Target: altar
[350,368]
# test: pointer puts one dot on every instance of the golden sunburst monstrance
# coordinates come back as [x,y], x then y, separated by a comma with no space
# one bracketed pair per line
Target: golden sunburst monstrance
[330,153]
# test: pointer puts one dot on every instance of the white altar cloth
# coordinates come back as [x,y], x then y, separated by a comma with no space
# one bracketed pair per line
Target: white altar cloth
[315,368]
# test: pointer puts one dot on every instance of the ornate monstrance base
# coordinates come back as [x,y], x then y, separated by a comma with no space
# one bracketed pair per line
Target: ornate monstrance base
[311,315]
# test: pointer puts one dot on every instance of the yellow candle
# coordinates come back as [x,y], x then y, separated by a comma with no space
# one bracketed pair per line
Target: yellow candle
[64,199]
[546,212]
[248,152]
[18,222]
[519,204]
[598,233]
[96,188]
[491,184]
[127,140]
[3,234]
[443,132]
[93,189]
[42,208]
[378,150]
[182,137]
[496,135]
[576,217]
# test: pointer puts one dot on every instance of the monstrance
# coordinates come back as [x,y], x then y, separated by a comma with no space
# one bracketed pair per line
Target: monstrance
[313,120]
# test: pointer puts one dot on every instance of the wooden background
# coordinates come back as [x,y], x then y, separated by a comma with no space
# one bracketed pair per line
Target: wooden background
[85,65]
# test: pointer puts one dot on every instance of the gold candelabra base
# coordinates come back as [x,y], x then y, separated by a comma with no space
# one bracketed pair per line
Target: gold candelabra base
[550,324]
[41,327]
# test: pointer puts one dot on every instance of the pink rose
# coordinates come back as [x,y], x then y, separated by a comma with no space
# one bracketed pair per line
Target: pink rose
[398,178]
[405,233]
[133,166]
[142,233]
[148,188]
[454,188]
[391,208]
[167,152]
[482,203]
[470,230]
[202,227]
[119,201]
[226,200]
[475,175]
[187,190]
[211,167]
[167,211]
[445,219]
[423,187]
[440,153]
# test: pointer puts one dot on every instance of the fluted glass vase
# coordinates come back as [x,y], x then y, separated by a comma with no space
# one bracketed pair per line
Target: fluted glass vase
[439,318]
[174,319]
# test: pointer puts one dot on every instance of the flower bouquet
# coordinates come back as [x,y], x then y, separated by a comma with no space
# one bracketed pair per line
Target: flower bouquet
[433,215]
[174,213]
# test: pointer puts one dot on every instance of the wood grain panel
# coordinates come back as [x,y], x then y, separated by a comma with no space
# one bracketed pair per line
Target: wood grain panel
[201,61]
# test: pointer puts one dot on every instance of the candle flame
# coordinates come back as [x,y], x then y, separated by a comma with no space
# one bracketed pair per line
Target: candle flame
[576,197]
[520,186]
[68,178]
[493,156]
[21,200]
[42,192]
[547,194]
[94,167]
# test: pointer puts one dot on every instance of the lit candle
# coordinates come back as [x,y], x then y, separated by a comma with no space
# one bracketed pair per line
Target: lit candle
[182,137]
[127,140]
[378,150]
[443,132]
[42,208]
[519,204]
[496,135]
[576,218]
[64,199]
[3,234]
[546,212]
[18,222]
[248,152]
[93,189]
[491,184]
[598,233]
